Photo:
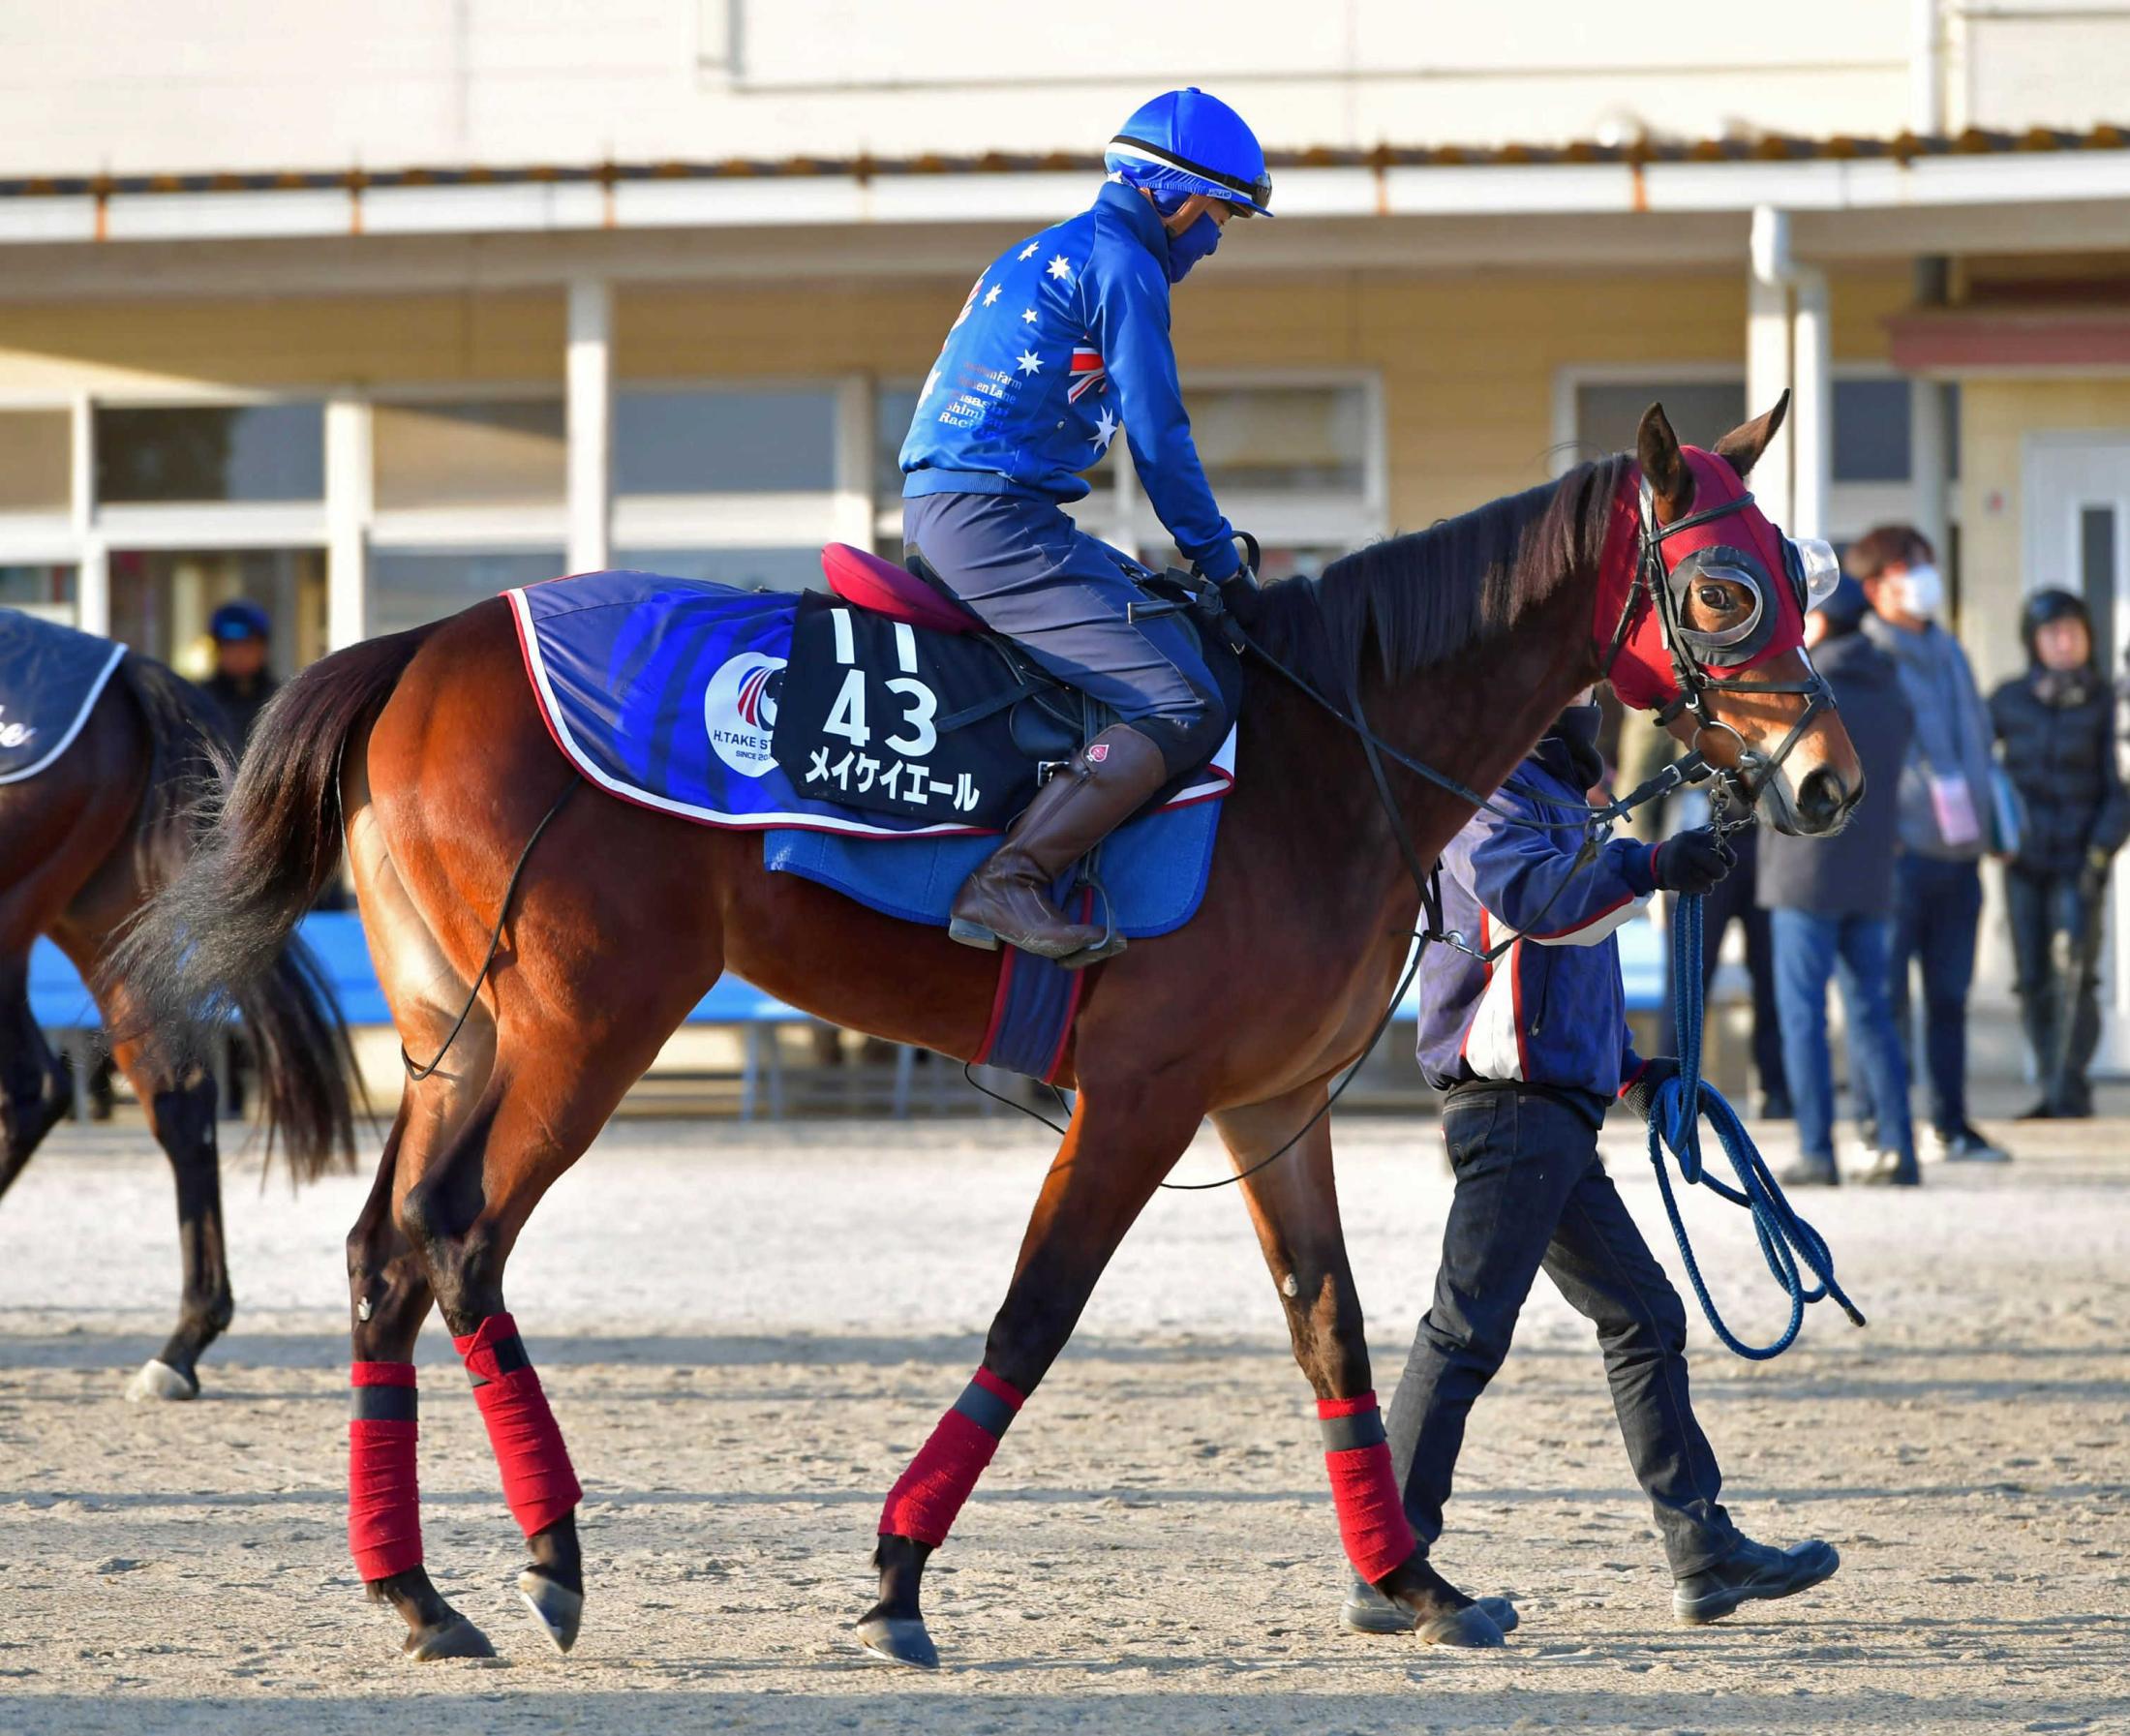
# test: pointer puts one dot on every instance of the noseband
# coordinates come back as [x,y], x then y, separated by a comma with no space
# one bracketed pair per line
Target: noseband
[1696,655]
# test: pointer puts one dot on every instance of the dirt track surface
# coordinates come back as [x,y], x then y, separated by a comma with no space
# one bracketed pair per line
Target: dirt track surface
[746,1333]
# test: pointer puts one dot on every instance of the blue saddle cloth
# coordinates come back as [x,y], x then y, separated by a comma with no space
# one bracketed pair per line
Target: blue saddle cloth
[51,678]
[665,692]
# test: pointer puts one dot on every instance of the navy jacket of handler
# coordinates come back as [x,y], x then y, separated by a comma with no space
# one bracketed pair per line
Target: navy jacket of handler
[1062,344]
[1550,1012]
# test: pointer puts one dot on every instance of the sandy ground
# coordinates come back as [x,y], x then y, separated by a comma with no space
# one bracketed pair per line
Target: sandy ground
[746,1334]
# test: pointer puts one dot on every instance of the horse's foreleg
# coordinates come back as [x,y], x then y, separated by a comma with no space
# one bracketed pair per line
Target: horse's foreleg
[1121,1142]
[1295,1205]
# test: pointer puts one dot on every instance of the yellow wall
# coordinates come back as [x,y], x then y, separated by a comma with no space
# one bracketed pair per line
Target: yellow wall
[1468,362]
[1996,416]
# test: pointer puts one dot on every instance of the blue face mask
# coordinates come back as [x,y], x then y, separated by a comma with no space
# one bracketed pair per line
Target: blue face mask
[1196,243]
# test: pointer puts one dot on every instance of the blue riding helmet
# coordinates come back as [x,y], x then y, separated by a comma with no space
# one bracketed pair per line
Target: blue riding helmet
[239,621]
[1186,143]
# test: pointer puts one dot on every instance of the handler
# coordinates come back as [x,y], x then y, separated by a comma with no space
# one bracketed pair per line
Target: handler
[1530,1050]
[1063,342]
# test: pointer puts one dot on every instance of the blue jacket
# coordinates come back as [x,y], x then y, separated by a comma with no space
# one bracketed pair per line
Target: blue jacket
[1063,340]
[1550,1010]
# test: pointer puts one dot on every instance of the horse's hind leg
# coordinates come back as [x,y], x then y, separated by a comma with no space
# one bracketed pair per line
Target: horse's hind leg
[34,1090]
[1121,1142]
[181,1112]
[1295,1205]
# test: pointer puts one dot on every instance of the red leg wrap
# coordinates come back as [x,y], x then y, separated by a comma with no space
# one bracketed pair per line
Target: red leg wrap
[1372,1522]
[925,1499]
[537,1480]
[384,1497]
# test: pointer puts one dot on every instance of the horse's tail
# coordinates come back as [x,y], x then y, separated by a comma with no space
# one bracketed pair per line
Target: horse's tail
[219,935]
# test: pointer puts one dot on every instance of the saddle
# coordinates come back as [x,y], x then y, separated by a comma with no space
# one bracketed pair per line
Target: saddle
[899,700]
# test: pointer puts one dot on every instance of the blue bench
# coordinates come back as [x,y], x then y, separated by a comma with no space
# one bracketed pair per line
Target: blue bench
[60,1002]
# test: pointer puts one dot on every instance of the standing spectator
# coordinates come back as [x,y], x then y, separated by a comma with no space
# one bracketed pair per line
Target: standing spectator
[1830,905]
[2056,723]
[241,684]
[1944,812]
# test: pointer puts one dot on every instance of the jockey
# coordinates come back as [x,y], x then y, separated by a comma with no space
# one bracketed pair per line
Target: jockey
[1062,342]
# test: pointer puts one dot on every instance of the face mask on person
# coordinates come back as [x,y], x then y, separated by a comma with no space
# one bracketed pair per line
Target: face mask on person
[1919,592]
[1196,242]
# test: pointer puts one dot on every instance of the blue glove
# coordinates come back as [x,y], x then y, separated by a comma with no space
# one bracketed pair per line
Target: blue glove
[1692,862]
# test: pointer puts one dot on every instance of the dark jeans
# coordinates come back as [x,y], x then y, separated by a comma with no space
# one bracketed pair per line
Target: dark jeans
[1065,598]
[2057,979]
[1937,908]
[1732,898]
[1808,950]
[1532,1194]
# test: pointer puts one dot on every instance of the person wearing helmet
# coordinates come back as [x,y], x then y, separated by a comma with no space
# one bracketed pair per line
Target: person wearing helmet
[1062,344]
[242,683]
[2056,728]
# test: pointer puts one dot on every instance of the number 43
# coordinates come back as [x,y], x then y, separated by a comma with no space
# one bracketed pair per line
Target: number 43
[847,715]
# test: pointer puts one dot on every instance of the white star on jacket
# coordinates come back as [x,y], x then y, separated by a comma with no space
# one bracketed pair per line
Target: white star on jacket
[993,296]
[1028,316]
[1060,266]
[1030,363]
[1106,429]
[1027,251]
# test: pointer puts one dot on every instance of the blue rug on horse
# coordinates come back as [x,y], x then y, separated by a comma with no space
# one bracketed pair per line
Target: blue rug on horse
[1153,870]
[50,679]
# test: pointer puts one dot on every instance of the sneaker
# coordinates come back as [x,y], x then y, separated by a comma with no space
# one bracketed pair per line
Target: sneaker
[1810,1172]
[1367,1610]
[1748,1571]
[1881,1168]
[1964,1146]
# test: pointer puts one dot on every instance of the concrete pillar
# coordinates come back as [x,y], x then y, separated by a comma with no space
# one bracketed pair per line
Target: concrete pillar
[1768,356]
[1811,409]
[857,510]
[92,573]
[348,491]
[591,422]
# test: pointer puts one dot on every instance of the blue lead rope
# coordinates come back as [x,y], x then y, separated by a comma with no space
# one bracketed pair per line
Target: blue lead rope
[1675,1121]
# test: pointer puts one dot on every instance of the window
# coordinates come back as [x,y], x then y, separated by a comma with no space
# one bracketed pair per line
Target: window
[36,460]
[1701,411]
[210,452]
[892,406]
[770,568]
[1287,438]
[1872,430]
[162,600]
[742,442]
[484,453]
[408,587]
[42,588]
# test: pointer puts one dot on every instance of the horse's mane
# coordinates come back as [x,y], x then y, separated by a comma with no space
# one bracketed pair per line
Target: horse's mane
[1426,595]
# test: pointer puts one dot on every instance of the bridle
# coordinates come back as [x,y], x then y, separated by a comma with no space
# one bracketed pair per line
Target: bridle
[1694,652]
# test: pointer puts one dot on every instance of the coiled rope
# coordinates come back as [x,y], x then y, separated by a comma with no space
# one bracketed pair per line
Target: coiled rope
[1676,1112]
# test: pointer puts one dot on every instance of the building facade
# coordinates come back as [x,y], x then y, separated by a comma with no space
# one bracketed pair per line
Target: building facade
[368,310]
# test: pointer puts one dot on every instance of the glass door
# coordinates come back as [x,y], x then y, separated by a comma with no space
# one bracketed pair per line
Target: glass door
[162,600]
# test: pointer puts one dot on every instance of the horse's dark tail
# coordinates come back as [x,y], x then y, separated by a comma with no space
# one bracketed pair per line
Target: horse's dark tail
[219,938]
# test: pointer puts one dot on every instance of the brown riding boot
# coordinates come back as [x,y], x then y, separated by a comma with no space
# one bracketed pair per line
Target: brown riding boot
[1009,897]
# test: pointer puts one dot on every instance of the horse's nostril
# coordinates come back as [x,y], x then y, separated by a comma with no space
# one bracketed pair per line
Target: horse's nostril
[1820,798]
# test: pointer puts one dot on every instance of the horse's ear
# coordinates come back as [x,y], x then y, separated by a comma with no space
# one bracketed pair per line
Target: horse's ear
[1657,448]
[1741,447]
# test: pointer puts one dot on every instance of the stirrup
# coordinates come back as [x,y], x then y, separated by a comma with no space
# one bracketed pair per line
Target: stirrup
[1107,947]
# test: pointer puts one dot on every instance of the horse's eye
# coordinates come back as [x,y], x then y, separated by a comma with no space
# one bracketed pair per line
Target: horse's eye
[1715,599]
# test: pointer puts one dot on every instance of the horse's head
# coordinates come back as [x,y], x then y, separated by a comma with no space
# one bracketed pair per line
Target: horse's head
[1700,615]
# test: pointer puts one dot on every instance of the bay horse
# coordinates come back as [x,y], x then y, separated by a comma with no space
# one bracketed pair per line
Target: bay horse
[83,844]
[423,756]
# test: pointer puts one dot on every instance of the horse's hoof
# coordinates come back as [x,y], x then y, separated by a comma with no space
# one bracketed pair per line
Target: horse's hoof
[1502,1612]
[1471,1628]
[559,1610]
[899,1639]
[456,1639]
[159,1381]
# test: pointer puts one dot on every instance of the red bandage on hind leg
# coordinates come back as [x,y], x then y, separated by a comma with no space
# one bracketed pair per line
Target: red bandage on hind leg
[384,1497]
[925,1499]
[1372,1522]
[537,1480]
